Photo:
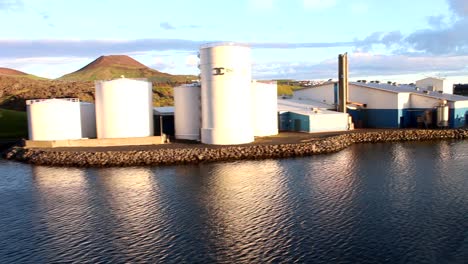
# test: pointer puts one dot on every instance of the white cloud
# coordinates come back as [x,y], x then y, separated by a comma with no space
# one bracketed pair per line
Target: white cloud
[163,65]
[10,4]
[319,4]
[166,26]
[158,61]
[460,7]
[191,61]
[365,64]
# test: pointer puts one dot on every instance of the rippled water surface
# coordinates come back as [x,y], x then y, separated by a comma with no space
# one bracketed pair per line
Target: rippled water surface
[371,203]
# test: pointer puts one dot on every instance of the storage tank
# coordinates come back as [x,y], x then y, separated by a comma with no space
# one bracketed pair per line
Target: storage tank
[226,94]
[124,108]
[88,120]
[443,114]
[265,108]
[187,117]
[54,119]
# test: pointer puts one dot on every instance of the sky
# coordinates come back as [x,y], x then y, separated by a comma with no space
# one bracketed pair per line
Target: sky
[396,40]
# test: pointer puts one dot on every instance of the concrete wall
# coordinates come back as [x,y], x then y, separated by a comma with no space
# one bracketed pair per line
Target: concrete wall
[324,93]
[374,98]
[328,122]
[103,142]
[419,101]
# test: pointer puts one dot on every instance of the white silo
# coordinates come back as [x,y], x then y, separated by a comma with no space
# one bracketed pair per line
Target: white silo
[226,94]
[88,120]
[124,108]
[54,119]
[187,116]
[265,108]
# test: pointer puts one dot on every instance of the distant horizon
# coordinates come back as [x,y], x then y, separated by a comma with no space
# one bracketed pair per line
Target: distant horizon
[382,79]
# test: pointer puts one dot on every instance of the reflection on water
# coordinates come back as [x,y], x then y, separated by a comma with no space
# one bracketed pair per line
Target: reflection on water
[240,201]
[372,203]
[62,206]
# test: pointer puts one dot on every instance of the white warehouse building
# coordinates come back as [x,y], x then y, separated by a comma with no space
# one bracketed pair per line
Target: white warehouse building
[377,105]
[310,117]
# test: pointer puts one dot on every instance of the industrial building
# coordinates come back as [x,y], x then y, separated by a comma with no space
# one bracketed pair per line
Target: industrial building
[385,105]
[310,116]
[433,84]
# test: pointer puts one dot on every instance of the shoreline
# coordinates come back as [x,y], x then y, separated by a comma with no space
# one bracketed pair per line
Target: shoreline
[199,153]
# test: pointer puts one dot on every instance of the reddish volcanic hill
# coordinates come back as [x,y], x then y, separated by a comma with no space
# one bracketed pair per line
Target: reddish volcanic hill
[113,61]
[8,71]
[114,66]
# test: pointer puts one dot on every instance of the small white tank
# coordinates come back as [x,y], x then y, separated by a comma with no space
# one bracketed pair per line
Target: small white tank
[443,115]
[88,120]
[226,94]
[124,108]
[54,119]
[187,116]
[265,108]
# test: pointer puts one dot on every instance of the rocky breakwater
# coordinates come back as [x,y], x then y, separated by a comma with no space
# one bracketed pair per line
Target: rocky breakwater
[203,153]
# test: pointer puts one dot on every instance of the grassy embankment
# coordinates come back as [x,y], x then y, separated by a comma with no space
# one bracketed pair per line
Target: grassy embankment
[286,87]
[13,124]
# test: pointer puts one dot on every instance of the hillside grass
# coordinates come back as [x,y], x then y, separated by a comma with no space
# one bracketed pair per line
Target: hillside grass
[13,124]
[286,89]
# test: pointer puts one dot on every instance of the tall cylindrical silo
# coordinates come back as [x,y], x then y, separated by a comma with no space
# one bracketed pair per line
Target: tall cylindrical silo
[187,112]
[54,119]
[88,120]
[265,108]
[124,108]
[226,94]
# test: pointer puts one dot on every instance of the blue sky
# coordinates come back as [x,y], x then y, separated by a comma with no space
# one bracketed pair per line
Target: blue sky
[396,40]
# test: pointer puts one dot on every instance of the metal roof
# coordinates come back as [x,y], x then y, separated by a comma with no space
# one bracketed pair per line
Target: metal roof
[305,107]
[411,89]
[165,110]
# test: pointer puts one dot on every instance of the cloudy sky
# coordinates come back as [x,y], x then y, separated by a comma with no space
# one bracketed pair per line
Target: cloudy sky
[396,40]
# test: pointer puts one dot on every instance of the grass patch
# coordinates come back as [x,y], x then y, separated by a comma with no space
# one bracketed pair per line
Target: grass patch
[285,89]
[13,124]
